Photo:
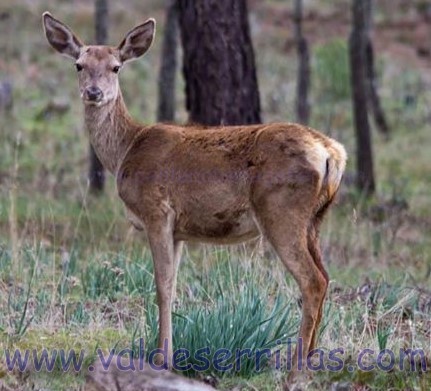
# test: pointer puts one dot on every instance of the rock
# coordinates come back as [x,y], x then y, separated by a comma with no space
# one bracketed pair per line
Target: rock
[147,379]
[342,386]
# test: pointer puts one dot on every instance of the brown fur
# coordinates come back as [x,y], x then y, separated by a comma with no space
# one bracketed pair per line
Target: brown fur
[212,184]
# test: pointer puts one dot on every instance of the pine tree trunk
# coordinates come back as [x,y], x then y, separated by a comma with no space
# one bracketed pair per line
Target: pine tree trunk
[166,106]
[219,67]
[303,82]
[357,44]
[374,103]
[96,173]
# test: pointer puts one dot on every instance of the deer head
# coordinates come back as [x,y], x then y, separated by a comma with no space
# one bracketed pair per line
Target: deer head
[98,66]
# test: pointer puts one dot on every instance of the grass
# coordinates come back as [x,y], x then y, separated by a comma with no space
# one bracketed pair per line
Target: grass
[74,275]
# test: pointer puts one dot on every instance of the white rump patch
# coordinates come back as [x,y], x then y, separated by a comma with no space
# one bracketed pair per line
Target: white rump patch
[317,155]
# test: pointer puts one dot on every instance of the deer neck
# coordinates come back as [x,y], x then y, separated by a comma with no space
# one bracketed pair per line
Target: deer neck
[112,131]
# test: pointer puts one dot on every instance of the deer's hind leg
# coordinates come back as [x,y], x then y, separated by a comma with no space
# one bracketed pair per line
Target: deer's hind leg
[315,252]
[284,213]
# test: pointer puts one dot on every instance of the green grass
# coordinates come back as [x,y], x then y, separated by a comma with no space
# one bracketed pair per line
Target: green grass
[332,71]
[111,304]
[74,275]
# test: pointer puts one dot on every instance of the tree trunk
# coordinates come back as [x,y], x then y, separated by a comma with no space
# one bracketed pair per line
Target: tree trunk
[219,67]
[96,173]
[364,155]
[303,82]
[166,107]
[374,103]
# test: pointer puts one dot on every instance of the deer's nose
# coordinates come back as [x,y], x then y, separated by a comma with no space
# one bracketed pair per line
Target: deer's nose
[94,94]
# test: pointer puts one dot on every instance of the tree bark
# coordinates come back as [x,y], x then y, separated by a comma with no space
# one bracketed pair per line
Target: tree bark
[303,82]
[357,45]
[96,173]
[218,62]
[166,105]
[374,103]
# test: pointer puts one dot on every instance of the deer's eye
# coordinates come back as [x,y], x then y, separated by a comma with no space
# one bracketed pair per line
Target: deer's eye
[116,69]
[78,67]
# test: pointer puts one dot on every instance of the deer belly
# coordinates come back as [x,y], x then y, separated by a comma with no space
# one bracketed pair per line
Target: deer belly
[218,228]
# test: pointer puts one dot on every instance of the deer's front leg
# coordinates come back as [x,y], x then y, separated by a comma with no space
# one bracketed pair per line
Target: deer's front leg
[162,245]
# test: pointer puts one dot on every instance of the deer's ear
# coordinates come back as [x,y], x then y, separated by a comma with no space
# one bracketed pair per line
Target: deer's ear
[60,37]
[137,41]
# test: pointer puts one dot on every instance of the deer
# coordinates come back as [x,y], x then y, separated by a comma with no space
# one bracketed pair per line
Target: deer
[221,185]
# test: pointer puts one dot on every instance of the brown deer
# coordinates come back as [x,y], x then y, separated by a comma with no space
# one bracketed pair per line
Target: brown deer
[220,185]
